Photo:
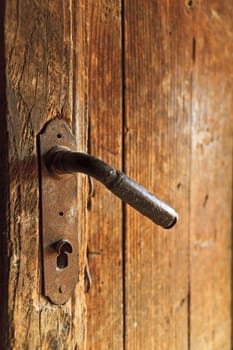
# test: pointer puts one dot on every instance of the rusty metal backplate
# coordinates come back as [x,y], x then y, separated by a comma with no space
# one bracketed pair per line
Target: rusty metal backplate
[59,218]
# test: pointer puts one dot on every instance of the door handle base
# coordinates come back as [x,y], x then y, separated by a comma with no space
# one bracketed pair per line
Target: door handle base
[59,164]
[59,218]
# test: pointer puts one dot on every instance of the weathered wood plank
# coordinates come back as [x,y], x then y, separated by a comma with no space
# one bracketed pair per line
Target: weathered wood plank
[104,301]
[4,190]
[158,70]
[211,185]
[45,56]
[203,127]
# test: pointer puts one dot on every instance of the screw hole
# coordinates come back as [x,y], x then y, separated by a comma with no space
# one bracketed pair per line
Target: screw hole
[61,213]
[59,136]
[190,3]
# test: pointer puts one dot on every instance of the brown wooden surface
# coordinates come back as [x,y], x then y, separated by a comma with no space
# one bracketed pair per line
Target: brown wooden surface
[105,299]
[211,182]
[179,144]
[158,68]
[156,77]
[45,71]
[177,79]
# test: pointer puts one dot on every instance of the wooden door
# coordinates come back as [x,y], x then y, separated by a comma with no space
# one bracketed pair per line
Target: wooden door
[146,86]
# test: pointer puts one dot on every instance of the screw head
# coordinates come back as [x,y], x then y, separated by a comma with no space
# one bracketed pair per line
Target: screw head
[62,288]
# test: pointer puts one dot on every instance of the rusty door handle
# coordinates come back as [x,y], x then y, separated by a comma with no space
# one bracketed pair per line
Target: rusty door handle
[59,205]
[61,160]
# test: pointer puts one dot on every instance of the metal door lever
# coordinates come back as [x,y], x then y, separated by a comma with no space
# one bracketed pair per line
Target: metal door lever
[59,205]
[61,160]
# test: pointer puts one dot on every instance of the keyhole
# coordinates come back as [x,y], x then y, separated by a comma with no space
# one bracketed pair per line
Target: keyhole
[63,247]
[62,261]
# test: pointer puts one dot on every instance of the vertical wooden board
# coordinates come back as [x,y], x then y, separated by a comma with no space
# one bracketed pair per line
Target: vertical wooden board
[104,300]
[211,185]
[45,78]
[4,190]
[158,69]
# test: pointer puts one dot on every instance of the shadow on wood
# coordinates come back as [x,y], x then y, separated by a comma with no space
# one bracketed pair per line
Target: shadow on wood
[4,186]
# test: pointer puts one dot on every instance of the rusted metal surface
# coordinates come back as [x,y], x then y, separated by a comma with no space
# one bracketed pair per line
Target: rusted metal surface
[59,219]
[59,163]
[61,160]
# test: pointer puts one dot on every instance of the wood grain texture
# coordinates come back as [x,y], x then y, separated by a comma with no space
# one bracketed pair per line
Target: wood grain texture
[156,78]
[158,71]
[45,56]
[211,184]
[179,143]
[105,299]
[4,188]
